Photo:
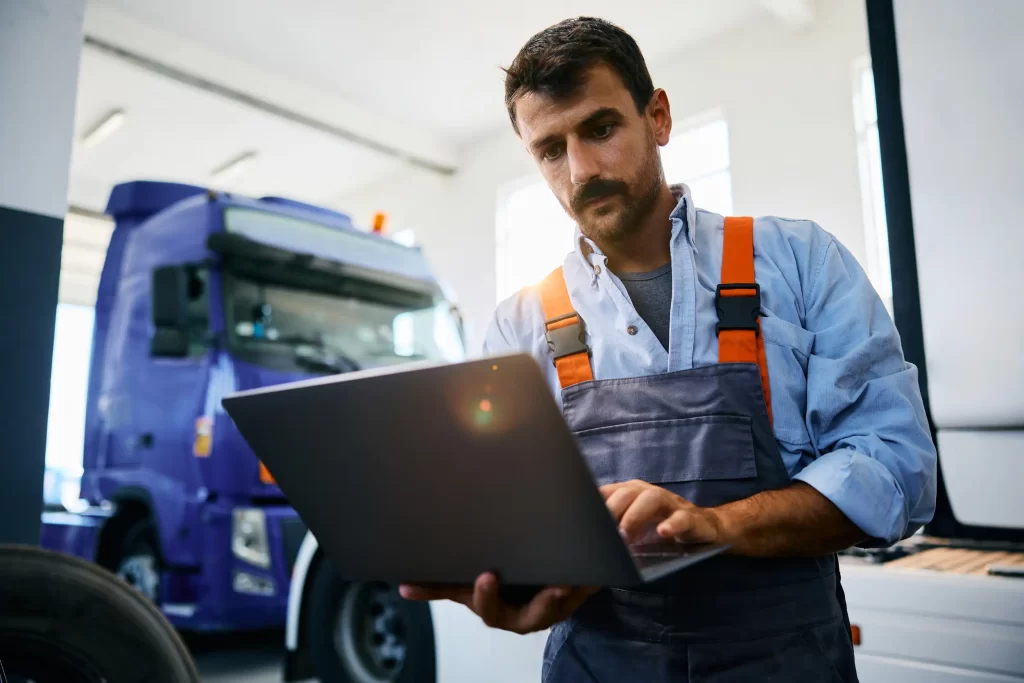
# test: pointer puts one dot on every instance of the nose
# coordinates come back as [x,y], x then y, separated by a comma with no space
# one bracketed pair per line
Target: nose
[583,164]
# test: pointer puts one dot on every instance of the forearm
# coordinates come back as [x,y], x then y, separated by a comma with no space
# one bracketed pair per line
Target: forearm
[796,520]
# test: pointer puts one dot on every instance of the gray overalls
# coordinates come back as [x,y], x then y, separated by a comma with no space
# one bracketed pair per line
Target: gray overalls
[705,434]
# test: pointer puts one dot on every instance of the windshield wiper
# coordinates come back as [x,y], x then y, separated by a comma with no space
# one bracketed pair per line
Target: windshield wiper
[313,354]
[324,365]
[404,356]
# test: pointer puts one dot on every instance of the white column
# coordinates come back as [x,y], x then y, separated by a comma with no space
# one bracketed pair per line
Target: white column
[40,43]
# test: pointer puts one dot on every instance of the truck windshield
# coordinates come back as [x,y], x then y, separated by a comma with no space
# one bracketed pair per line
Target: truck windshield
[291,329]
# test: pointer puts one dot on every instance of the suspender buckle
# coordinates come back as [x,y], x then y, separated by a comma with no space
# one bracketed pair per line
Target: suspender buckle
[567,340]
[738,312]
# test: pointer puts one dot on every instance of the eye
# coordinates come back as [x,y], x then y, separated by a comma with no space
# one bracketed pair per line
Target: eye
[552,153]
[603,131]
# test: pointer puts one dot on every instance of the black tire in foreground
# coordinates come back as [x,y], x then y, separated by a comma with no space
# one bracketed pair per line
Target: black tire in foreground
[367,633]
[69,621]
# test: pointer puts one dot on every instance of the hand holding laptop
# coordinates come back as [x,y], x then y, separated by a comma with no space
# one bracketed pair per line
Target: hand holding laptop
[638,506]
[547,607]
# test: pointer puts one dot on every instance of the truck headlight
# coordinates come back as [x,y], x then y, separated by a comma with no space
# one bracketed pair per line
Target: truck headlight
[249,537]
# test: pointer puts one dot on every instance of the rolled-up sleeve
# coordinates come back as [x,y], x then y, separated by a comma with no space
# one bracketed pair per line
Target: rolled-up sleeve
[876,459]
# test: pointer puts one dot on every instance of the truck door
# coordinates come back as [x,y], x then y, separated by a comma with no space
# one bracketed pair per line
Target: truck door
[156,384]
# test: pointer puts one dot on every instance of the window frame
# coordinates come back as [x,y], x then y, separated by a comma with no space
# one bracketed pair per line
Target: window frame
[876,236]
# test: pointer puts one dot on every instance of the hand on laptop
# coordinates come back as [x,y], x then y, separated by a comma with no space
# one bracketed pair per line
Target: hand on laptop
[639,506]
[548,607]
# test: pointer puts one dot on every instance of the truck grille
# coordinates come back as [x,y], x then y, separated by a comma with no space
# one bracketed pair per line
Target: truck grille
[292,531]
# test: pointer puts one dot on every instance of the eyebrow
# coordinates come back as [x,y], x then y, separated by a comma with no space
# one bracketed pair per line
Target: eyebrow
[593,118]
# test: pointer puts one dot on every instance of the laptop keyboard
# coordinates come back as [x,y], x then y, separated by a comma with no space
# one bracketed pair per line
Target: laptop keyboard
[649,555]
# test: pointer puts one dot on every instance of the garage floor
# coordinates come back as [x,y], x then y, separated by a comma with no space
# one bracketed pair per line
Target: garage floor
[248,658]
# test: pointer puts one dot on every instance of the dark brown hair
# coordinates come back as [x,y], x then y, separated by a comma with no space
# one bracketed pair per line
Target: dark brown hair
[554,61]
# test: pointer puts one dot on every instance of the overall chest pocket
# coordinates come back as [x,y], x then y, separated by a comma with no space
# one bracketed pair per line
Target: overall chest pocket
[671,451]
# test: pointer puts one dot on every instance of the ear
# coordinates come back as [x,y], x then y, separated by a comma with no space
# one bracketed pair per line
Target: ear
[660,116]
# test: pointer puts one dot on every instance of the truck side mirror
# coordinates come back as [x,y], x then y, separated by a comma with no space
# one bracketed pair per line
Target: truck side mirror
[174,288]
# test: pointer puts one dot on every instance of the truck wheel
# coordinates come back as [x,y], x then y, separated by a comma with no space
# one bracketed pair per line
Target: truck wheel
[65,619]
[138,562]
[367,633]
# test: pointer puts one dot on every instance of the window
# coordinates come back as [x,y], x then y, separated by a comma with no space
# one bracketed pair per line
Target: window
[869,159]
[533,235]
[69,379]
[85,244]
[698,155]
[533,232]
[299,330]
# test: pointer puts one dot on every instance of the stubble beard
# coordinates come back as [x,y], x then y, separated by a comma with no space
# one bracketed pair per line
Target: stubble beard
[620,223]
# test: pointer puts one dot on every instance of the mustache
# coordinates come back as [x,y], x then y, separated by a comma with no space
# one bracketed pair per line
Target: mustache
[598,188]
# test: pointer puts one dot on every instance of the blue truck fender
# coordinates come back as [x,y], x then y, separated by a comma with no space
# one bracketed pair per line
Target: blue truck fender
[131,504]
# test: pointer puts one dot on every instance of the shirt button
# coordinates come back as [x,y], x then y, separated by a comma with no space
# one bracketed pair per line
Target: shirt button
[631,329]
[597,270]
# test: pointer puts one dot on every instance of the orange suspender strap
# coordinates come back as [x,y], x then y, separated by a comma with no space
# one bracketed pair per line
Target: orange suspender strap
[565,332]
[738,301]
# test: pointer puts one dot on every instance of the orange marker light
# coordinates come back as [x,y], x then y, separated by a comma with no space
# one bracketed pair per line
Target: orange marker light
[494,367]
[380,220]
[265,476]
[855,634]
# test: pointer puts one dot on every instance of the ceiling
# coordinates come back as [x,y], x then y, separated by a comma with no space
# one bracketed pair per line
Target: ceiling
[176,132]
[304,85]
[423,78]
[433,63]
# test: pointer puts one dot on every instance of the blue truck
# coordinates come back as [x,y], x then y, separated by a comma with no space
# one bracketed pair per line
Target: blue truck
[204,293]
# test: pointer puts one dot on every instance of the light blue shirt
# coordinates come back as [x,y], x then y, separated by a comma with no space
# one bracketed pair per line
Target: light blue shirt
[847,408]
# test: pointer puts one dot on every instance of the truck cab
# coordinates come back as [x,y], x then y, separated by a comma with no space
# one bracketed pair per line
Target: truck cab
[202,294]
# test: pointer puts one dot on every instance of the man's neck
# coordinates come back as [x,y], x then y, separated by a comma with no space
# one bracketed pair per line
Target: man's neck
[648,245]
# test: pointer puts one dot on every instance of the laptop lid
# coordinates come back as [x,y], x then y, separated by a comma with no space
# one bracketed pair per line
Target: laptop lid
[436,473]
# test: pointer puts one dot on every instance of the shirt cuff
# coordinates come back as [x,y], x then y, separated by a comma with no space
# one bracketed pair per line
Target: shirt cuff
[864,490]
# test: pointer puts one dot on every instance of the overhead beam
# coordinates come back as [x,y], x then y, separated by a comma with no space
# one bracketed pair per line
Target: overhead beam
[795,14]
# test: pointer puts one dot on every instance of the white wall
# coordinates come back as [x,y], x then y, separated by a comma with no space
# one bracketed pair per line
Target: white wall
[786,95]
[788,100]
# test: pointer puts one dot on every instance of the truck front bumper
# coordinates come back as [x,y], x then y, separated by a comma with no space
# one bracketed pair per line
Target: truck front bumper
[229,594]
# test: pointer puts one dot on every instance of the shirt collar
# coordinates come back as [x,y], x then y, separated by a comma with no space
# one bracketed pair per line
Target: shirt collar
[683,216]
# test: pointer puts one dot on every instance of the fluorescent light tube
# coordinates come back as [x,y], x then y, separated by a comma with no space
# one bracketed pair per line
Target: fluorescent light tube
[233,167]
[104,129]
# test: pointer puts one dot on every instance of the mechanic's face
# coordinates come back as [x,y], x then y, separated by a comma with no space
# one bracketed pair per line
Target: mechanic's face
[597,153]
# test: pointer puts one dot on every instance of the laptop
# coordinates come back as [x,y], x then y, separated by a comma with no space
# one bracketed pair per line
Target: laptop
[435,473]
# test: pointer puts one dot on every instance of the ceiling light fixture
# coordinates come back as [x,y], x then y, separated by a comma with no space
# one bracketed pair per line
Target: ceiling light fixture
[104,129]
[233,167]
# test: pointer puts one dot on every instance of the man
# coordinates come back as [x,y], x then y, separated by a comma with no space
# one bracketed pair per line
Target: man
[774,413]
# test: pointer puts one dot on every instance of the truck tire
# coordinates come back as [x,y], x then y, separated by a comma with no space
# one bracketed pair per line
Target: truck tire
[65,619]
[367,633]
[138,561]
